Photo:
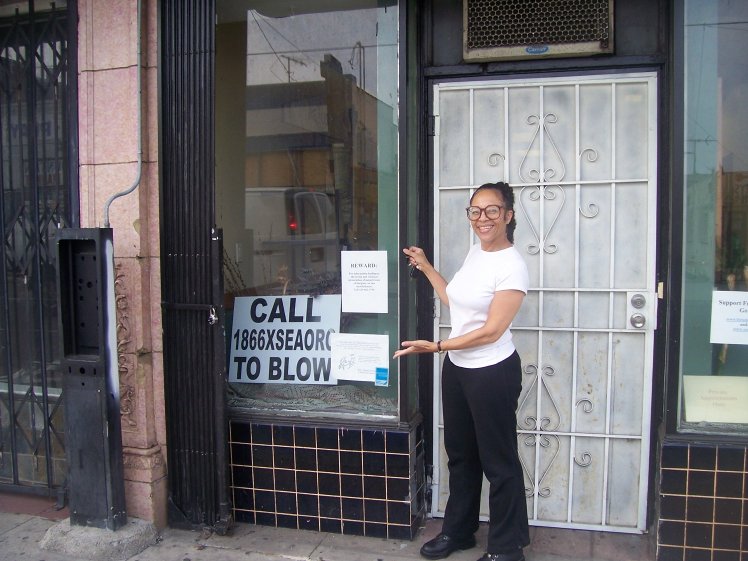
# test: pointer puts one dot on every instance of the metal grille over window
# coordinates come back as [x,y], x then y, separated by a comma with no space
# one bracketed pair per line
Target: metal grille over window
[36,200]
[499,29]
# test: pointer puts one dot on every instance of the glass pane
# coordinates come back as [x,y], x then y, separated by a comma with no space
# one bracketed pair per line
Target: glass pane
[554,375]
[623,478]
[552,477]
[454,148]
[630,245]
[714,355]
[306,150]
[523,123]
[455,237]
[595,215]
[595,132]
[11,8]
[626,389]
[591,405]
[559,245]
[489,152]
[588,480]
[631,122]
[594,310]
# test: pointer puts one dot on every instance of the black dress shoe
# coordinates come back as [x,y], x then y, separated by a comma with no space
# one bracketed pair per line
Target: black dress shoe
[442,545]
[514,556]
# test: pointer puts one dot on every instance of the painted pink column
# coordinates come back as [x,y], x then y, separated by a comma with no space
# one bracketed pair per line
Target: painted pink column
[108,129]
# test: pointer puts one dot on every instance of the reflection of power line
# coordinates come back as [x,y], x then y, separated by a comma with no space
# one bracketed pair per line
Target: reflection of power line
[280,34]
[278,53]
[361,63]
[327,49]
[693,141]
[709,139]
[291,59]
[716,24]
[257,23]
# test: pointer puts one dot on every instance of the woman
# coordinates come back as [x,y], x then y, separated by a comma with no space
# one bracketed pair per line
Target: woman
[481,382]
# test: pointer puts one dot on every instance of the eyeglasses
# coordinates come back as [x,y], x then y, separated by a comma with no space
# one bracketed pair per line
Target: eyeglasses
[492,211]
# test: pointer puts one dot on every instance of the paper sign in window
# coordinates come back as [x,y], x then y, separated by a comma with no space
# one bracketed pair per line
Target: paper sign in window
[729,317]
[364,281]
[715,399]
[364,358]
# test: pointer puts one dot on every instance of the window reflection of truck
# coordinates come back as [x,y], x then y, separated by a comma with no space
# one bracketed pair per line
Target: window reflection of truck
[294,239]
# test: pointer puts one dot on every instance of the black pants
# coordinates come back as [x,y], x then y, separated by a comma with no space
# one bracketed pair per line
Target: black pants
[480,436]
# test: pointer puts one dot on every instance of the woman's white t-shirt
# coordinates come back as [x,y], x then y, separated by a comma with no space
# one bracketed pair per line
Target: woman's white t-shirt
[470,293]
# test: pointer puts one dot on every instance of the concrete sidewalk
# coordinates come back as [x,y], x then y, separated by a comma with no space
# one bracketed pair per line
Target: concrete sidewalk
[21,532]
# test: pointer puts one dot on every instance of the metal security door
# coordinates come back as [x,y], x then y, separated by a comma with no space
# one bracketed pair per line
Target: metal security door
[38,197]
[580,154]
[192,285]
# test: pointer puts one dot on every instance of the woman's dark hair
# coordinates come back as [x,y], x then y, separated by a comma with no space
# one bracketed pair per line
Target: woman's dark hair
[507,194]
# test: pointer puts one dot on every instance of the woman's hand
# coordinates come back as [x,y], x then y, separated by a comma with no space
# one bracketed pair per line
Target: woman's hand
[416,257]
[415,347]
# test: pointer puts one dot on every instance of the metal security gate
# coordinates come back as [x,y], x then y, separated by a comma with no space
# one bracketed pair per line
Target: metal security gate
[191,252]
[581,156]
[38,197]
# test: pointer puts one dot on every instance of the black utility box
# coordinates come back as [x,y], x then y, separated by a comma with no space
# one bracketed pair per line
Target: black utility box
[90,377]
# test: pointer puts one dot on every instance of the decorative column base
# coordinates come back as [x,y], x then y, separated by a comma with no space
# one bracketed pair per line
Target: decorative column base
[145,484]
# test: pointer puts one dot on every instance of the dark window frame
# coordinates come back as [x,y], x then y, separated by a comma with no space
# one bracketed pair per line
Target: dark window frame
[674,249]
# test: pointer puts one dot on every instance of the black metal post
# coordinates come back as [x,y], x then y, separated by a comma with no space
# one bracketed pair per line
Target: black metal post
[91,378]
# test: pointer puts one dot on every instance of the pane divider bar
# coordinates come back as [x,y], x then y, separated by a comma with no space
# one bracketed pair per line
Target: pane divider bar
[541,283]
[611,279]
[601,435]
[587,182]
[575,335]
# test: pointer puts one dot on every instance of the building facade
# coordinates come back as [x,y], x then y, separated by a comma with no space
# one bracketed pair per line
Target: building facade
[262,164]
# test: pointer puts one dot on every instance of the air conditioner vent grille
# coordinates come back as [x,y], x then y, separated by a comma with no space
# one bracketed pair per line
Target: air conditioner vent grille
[493,25]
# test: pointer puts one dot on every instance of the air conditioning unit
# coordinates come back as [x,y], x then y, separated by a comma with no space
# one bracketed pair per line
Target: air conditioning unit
[521,29]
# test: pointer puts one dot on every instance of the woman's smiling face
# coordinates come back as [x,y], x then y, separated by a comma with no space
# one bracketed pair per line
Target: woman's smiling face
[491,231]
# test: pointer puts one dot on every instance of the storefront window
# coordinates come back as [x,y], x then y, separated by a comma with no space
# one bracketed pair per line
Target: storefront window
[306,196]
[714,356]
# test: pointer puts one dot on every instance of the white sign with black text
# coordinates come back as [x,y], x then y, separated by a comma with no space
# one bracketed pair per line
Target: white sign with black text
[283,339]
[364,281]
[361,357]
[729,317]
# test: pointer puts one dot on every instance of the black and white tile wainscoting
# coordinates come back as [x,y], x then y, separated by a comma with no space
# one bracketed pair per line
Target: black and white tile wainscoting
[353,481]
[703,503]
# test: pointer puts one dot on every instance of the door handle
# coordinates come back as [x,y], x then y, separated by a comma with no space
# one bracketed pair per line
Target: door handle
[639,309]
[638,320]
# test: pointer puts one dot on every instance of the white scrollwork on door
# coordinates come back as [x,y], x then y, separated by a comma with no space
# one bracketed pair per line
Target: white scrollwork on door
[585,461]
[587,405]
[542,423]
[533,422]
[590,210]
[495,158]
[586,457]
[550,441]
[589,154]
[542,174]
[534,194]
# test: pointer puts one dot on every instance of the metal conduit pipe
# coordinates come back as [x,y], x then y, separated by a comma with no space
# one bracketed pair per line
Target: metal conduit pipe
[139,172]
